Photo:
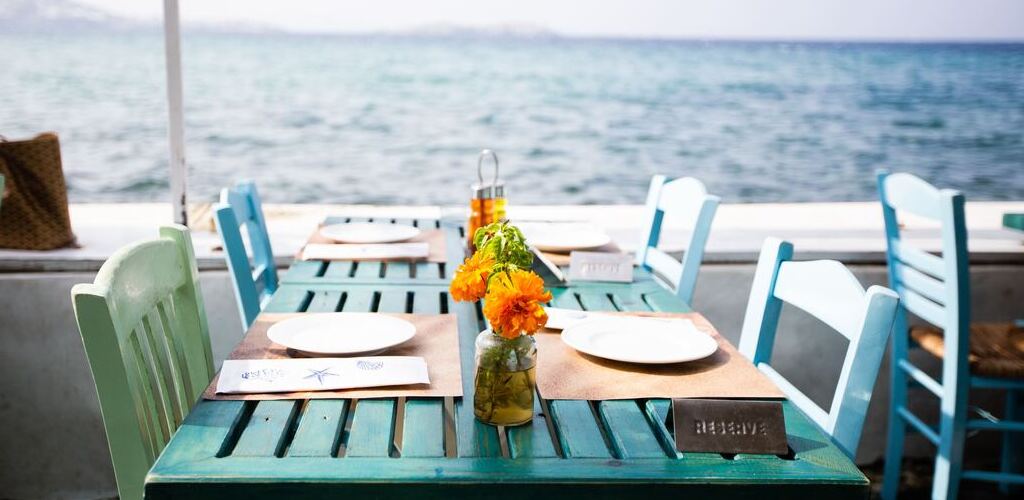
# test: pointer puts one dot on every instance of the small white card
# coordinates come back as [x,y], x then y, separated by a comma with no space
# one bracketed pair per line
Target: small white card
[359,251]
[601,266]
[257,376]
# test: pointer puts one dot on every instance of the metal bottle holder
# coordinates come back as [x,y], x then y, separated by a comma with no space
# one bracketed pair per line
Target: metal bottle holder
[496,189]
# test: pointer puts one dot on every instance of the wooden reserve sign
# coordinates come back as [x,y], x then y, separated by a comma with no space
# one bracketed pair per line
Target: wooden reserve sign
[729,426]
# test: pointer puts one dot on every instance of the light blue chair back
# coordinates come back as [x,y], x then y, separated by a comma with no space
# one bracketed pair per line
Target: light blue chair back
[2,193]
[686,200]
[827,290]
[256,280]
[935,288]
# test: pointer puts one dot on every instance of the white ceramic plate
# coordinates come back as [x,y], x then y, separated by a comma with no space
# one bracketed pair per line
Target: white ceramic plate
[564,238]
[341,334]
[365,232]
[640,340]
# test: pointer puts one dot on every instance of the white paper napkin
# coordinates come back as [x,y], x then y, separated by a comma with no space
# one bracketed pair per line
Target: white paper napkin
[358,251]
[560,319]
[248,376]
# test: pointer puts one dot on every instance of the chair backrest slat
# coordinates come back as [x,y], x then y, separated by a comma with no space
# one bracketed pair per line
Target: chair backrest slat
[686,200]
[916,281]
[253,279]
[663,264]
[920,260]
[827,290]
[145,333]
[797,397]
[939,291]
[922,307]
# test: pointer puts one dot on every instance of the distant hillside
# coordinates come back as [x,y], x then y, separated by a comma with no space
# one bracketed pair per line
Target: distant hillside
[59,16]
[445,30]
[69,16]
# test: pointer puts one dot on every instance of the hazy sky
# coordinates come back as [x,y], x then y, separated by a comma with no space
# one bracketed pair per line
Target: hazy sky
[788,19]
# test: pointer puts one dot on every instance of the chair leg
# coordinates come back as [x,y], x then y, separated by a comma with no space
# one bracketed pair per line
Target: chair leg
[952,433]
[897,433]
[1013,442]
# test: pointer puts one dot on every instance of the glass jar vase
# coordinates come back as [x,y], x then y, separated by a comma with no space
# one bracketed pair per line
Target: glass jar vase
[505,379]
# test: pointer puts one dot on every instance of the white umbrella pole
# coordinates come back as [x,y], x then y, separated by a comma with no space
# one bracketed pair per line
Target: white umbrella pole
[176,115]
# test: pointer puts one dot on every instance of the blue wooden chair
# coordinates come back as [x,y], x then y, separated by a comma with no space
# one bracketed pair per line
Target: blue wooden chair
[687,200]
[936,289]
[256,280]
[827,290]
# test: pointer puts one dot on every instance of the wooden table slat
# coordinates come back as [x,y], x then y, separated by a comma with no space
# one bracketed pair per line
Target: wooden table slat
[627,427]
[393,301]
[474,438]
[423,434]
[361,300]
[266,433]
[318,433]
[373,428]
[578,432]
[338,269]
[397,271]
[662,301]
[325,301]
[368,269]
[303,270]
[657,410]
[533,439]
[289,299]
[628,430]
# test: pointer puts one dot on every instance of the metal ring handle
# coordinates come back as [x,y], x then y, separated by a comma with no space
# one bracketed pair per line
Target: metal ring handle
[480,165]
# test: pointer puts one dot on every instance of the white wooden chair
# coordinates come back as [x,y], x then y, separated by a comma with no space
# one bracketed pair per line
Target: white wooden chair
[827,290]
[687,200]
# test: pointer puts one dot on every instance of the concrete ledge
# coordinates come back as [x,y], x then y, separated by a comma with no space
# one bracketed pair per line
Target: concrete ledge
[850,232]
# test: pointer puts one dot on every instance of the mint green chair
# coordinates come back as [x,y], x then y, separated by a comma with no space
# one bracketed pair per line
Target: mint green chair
[144,328]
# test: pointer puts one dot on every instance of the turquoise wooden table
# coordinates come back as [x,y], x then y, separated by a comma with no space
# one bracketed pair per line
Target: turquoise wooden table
[1013,221]
[434,448]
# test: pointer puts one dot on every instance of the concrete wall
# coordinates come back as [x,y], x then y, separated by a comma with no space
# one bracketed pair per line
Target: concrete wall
[53,443]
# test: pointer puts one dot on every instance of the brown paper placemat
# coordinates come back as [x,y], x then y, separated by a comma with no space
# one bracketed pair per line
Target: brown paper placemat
[565,373]
[562,259]
[436,340]
[433,237]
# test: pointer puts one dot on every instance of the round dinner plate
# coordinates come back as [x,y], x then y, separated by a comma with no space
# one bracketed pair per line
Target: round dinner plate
[365,232]
[565,238]
[635,340]
[341,334]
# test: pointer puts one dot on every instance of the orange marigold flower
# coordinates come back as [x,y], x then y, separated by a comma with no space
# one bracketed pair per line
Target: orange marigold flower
[470,281]
[514,303]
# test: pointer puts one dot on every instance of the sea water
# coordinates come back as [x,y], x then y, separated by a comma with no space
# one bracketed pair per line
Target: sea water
[401,120]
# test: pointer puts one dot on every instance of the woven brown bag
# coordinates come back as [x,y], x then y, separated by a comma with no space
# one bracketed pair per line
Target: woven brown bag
[34,212]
